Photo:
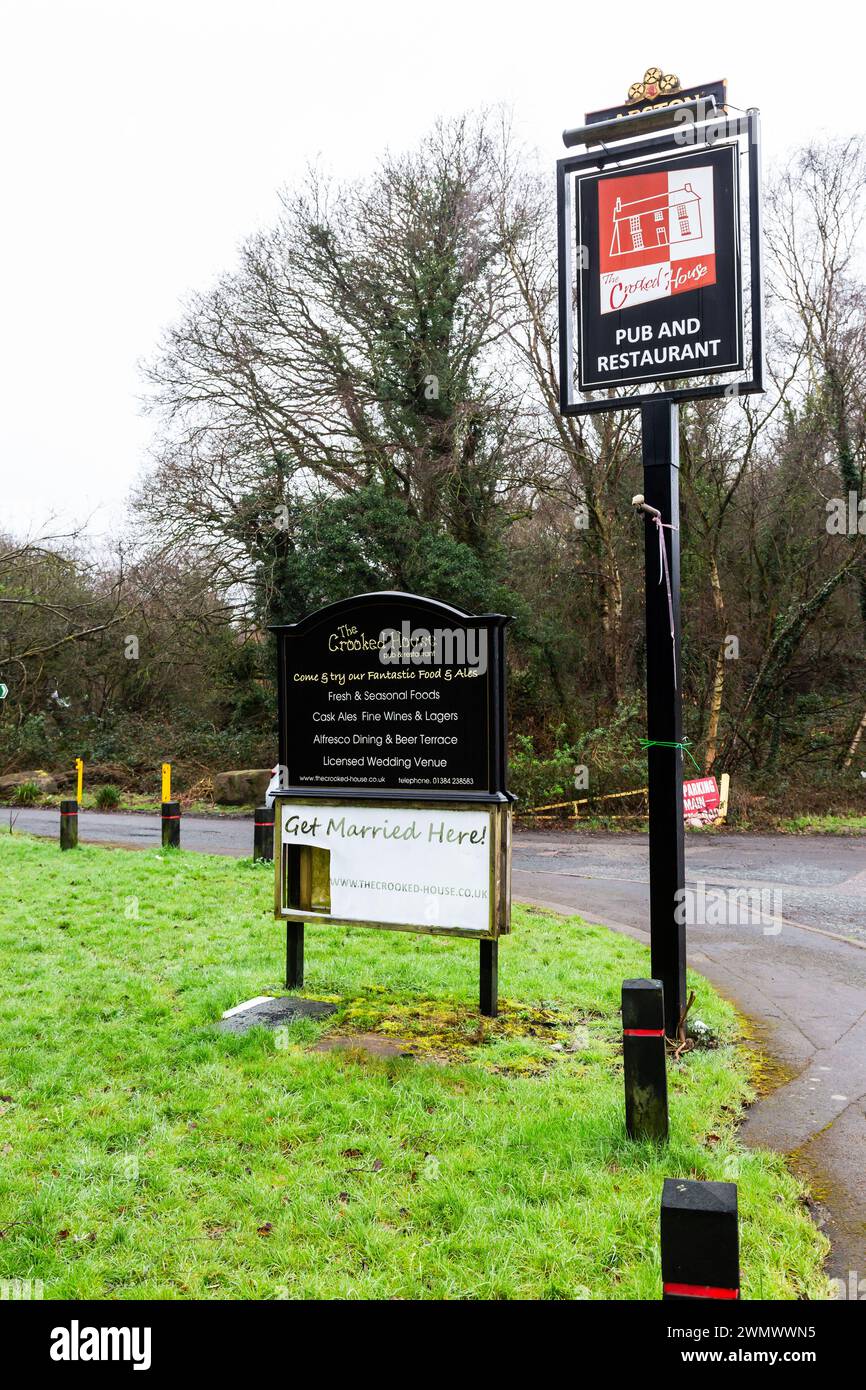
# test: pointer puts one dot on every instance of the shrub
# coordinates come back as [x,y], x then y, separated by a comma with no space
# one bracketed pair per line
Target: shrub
[610,752]
[537,780]
[27,794]
[107,798]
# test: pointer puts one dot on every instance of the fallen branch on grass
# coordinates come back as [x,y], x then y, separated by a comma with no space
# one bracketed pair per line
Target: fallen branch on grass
[681,1043]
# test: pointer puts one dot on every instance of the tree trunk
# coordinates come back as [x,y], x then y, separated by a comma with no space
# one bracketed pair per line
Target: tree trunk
[719,673]
[611,620]
[849,473]
[790,631]
[855,742]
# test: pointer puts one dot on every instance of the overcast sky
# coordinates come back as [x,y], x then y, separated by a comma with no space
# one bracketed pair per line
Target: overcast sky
[143,139]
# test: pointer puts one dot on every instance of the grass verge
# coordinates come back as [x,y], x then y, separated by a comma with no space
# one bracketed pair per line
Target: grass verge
[143,1154]
[826,825]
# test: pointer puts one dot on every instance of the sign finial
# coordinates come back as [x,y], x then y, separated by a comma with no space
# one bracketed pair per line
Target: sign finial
[655,84]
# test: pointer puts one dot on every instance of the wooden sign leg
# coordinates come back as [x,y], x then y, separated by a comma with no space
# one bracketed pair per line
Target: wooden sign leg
[294,955]
[489,981]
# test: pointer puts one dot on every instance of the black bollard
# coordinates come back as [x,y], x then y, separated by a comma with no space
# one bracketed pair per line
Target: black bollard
[643,1059]
[171,825]
[294,955]
[700,1241]
[68,824]
[263,833]
[489,978]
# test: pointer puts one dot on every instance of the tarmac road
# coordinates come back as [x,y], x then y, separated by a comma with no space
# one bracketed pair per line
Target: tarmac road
[207,834]
[799,973]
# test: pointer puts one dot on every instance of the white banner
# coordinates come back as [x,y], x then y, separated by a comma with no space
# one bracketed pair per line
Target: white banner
[399,866]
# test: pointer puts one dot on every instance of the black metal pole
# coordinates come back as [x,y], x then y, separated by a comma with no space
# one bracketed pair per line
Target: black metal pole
[660,446]
[294,955]
[489,978]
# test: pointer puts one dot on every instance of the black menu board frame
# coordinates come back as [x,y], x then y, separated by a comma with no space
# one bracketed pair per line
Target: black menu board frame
[342,639]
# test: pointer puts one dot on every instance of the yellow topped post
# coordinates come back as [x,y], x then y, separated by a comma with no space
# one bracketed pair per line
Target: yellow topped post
[79,768]
[724,794]
[166,781]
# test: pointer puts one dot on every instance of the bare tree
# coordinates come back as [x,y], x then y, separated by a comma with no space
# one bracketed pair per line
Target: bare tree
[582,462]
[815,239]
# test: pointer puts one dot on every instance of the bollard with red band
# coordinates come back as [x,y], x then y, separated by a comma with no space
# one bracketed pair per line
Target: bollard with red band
[700,1240]
[171,825]
[68,824]
[263,833]
[644,1061]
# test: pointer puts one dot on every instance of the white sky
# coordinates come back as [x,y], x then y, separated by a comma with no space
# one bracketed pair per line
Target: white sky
[143,139]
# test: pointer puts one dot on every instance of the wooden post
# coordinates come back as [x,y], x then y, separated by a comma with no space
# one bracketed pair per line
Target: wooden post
[489,978]
[171,825]
[724,795]
[263,833]
[643,1059]
[661,451]
[700,1241]
[68,824]
[294,955]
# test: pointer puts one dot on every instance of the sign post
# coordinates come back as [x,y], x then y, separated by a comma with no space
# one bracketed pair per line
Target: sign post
[656,307]
[393,810]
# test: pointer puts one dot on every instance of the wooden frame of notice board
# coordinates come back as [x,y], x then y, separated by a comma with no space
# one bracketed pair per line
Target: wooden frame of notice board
[301,878]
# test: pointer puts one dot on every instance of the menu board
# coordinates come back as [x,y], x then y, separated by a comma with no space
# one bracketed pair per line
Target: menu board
[393,693]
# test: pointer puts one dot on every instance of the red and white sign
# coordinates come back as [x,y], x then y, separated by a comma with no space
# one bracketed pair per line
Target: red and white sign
[701,799]
[656,236]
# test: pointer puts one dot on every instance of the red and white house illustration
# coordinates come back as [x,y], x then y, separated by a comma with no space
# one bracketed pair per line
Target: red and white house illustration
[662,220]
[656,236]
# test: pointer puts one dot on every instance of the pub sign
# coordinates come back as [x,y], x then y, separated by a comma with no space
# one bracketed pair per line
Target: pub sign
[659,289]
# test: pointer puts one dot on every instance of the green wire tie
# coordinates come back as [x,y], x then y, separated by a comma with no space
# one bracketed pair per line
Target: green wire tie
[684,747]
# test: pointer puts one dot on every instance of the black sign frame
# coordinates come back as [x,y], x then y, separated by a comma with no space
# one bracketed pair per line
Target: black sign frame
[690,137]
[423,612]
[720,308]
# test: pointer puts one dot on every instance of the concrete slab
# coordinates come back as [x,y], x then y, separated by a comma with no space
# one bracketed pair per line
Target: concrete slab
[247,1004]
[274,1013]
